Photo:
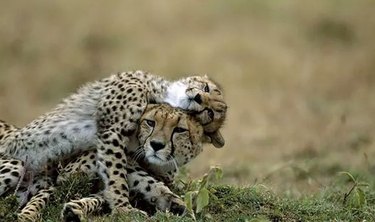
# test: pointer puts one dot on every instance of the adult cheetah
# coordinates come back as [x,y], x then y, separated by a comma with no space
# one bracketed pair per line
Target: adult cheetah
[182,137]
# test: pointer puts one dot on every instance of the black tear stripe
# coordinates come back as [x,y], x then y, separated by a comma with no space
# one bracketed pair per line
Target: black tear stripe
[173,148]
[152,131]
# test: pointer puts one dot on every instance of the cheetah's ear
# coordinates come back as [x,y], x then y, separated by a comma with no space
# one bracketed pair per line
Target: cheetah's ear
[216,139]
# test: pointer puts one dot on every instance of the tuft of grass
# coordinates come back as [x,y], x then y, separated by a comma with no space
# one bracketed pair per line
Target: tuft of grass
[75,187]
[8,208]
[244,204]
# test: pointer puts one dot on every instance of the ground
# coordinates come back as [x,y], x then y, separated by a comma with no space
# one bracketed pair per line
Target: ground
[298,75]
[257,203]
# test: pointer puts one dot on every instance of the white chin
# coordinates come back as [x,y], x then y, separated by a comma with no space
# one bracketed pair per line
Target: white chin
[153,160]
[176,96]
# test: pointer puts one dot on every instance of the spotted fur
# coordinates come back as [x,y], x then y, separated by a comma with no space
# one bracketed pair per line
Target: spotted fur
[104,116]
[181,136]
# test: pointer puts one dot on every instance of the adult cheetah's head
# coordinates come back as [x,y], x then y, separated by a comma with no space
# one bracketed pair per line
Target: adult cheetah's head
[169,138]
[204,99]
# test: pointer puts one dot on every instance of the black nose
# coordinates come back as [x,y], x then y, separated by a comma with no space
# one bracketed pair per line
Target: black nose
[157,145]
[198,99]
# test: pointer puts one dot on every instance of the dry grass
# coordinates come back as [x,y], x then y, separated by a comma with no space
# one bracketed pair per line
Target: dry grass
[299,76]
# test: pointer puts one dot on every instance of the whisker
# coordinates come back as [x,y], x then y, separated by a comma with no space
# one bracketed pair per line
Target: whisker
[137,150]
[134,155]
[172,164]
[138,154]
[175,165]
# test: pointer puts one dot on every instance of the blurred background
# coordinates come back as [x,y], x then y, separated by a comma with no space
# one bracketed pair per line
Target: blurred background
[298,76]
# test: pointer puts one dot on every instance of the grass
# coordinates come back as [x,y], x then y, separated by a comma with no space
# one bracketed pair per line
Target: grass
[230,203]
[8,207]
[77,186]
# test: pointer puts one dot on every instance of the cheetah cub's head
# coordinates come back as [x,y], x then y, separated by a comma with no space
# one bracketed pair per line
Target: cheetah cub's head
[169,138]
[204,99]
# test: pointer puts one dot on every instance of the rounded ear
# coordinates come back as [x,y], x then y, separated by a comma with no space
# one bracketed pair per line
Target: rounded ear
[216,139]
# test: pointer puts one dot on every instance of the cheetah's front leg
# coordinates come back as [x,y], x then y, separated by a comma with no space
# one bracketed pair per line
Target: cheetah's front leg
[77,210]
[150,195]
[118,122]
[111,166]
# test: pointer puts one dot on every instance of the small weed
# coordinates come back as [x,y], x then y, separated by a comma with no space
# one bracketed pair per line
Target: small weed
[356,195]
[198,192]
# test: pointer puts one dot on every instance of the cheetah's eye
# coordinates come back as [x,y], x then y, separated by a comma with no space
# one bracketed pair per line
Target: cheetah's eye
[179,130]
[150,122]
[206,88]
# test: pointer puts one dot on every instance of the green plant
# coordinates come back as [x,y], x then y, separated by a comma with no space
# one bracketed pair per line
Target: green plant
[356,195]
[198,192]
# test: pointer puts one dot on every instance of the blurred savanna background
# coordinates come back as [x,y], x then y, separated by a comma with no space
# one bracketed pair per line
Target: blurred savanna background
[298,76]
